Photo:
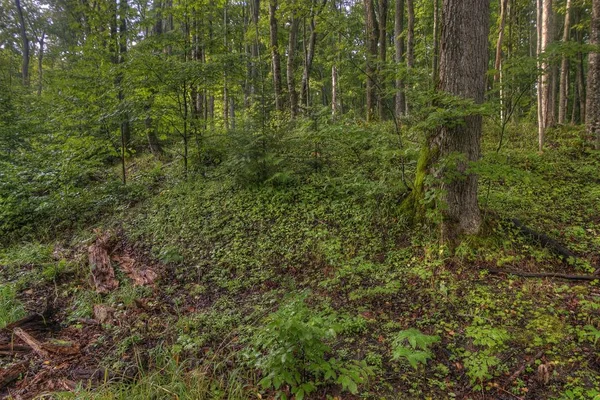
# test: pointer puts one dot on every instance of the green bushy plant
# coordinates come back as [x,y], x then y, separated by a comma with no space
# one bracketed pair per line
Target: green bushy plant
[413,346]
[293,352]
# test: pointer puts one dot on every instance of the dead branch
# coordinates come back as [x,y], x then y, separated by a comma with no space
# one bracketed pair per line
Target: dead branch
[31,342]
[571,277]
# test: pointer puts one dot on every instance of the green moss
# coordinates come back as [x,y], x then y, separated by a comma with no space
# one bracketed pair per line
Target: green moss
[412,206]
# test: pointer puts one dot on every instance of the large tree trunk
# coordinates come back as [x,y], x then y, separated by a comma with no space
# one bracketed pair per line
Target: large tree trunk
[410,40]
[276,62]
[291,81]
[399,56]
[564,70]
[25,44]
[372,34]
[592,114]
[463,67]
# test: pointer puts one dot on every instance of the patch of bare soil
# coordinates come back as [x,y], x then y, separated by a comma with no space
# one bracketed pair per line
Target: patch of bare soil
[46,352]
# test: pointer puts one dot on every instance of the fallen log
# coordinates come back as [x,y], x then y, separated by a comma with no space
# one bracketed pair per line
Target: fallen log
[31,342]
[571,277]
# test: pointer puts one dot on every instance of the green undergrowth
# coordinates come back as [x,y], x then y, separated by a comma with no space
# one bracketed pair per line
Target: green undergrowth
[320,286]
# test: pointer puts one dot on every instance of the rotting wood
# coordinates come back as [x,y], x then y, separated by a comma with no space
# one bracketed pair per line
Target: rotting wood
[103,274]
[35,345]
[571,277]
[8,375]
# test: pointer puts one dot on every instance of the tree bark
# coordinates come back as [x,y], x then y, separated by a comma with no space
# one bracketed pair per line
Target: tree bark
[463,67]
[410,40]
[399,56]
[436,42]
[498,61]
[336,105]
[545,106]
[276,59]
[383,16]
[592,121]
[41,64]
[291,82]
[25,44]
[564,69]
[125,125]
[372,34]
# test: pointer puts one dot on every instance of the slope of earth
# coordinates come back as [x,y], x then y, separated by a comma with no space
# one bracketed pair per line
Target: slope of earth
[317,289]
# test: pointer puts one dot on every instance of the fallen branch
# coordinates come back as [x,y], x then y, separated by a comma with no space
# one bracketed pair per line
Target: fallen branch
[544,240]
[524,366]
[31,342]
[571,277]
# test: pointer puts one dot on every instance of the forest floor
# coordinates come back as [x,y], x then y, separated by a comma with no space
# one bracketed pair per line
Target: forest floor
[223,291]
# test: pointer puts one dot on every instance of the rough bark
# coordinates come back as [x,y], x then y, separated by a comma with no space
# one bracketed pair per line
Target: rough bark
[592,119]
[410,40]
[372,35]
[564,69]
[399,56]
[463,67]
[25,44]
[275,57]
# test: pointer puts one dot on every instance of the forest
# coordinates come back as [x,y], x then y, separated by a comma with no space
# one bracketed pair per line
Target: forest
[299,199]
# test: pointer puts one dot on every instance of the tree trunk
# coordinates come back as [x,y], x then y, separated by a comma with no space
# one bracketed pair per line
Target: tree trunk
[399,56]
[383,16]
[276,62]
[498,61]
[564,70]
[410,40]
[25,43]
[592,121]
[125,125]
[291,82]
[225,77]
[436,42]
[309,55]
[463,67]
[545,105]
[336,105]
[372,34]
[41,64]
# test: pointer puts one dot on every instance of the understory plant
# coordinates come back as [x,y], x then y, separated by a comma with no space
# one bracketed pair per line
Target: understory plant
[293,352]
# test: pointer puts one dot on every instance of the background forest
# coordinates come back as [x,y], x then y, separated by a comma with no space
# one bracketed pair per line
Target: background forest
[227,199]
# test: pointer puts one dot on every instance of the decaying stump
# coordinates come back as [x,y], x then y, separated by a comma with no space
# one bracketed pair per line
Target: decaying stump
[103,274]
